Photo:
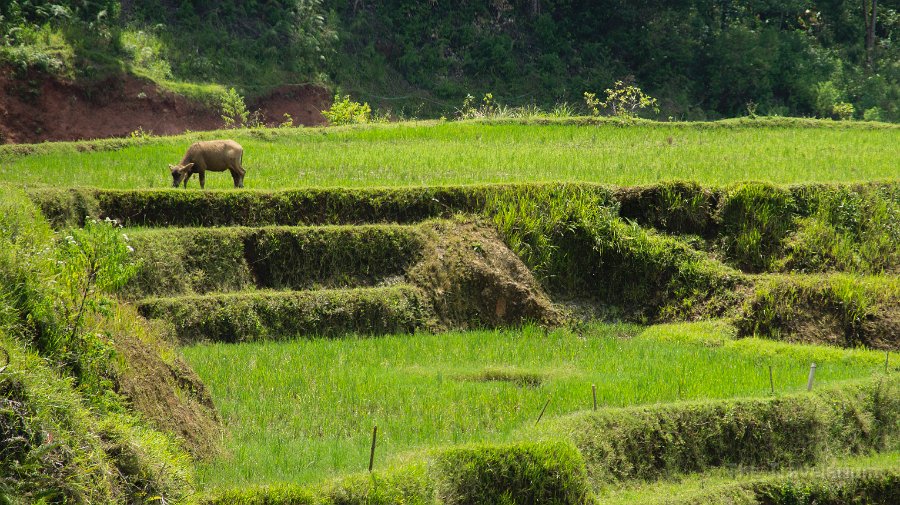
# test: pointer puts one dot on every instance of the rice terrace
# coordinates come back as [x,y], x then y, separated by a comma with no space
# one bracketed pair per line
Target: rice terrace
[682,294]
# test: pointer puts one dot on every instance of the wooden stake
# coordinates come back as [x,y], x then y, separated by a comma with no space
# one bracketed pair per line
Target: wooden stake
[372,452]
[594,391]
[542,411]
[771,380]
[812,373]
[887,359]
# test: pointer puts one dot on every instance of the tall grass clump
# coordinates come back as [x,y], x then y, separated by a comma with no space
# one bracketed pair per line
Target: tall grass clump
[845,228]
[578,246]
[546,228]
[755,218]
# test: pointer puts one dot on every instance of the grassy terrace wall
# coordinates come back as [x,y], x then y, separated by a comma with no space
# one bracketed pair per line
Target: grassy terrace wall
[569,459]
[651,442]
[189,261]
[755,226]
[259,208]
[652,253]
[282,315]
[837,309]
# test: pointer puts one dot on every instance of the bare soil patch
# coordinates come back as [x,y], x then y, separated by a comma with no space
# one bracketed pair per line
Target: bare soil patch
[41,108]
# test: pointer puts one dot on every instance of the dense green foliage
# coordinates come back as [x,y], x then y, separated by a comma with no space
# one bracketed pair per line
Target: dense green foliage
[427,390]
[701,58]
[233,42]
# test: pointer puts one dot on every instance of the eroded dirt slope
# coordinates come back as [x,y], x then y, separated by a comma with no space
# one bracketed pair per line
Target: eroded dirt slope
[38,108]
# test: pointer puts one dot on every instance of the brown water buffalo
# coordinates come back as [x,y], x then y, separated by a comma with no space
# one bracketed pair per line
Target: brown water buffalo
[213,156]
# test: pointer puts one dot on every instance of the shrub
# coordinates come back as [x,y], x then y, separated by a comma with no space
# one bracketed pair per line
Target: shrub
[234,110]
[486,110]
[827,95]
[872,114]
[843,111]
[623,101]
[343,111]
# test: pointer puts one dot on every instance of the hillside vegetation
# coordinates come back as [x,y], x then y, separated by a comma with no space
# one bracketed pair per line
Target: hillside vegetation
[702,58]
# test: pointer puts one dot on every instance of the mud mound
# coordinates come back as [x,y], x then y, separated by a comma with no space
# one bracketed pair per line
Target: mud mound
[474,280]
[39,108]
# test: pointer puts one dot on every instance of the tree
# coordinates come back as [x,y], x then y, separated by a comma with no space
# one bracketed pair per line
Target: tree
[869,16]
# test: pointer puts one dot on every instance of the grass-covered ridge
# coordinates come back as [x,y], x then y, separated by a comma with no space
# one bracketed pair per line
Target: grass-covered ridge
[668,251]
[184,261]
[441,153]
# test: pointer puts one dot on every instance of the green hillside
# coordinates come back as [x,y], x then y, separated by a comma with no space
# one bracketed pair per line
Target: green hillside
[703,59]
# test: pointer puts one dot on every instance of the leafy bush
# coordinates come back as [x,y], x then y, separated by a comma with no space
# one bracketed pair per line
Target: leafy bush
[343,111]
[827,95]
[872,114]
[234,110]
[843,111]
[624,101]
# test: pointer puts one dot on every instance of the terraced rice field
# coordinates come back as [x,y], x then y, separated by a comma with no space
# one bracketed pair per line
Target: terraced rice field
[449,316]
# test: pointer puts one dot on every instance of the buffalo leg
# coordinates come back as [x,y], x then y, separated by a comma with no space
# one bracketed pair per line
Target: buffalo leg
[238,178]
[202,177]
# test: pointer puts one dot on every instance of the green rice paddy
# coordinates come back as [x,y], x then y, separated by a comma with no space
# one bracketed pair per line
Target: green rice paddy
[436,153]
[304,410]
